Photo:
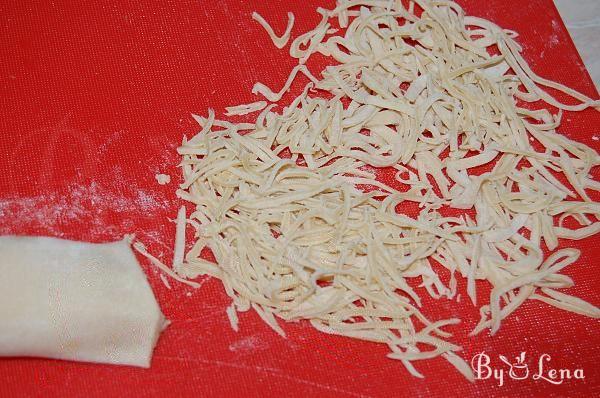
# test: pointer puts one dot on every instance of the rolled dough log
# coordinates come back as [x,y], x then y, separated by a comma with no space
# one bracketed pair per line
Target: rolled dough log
[76,301]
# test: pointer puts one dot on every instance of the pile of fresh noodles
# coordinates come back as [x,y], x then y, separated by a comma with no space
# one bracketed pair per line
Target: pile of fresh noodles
[434,94]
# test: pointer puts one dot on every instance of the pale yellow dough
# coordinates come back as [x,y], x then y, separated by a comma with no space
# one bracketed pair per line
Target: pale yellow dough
[76,301]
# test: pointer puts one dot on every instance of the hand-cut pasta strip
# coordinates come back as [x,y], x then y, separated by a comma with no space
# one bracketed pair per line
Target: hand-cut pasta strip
[266,92]
[297,239]
[279,42]
[245,108]
[233,318]
[179,248]
[311,39]
[140,248]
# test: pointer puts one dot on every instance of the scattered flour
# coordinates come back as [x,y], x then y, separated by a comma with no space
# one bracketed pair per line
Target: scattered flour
[247,344]
[90,204]
[553,41]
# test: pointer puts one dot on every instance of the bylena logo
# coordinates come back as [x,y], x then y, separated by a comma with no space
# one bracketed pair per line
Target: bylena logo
[519,369]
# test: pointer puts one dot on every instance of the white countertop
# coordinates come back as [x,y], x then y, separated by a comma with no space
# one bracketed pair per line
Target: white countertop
[582,18]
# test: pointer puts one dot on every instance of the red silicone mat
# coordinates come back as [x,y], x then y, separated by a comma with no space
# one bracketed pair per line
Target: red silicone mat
[95,97]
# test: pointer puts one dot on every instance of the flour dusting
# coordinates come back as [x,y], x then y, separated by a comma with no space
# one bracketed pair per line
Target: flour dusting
[90,204]
[553,40]
[247,344]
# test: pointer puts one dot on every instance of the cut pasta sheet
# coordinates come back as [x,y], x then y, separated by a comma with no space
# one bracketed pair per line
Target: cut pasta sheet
[76,301]
[416,89]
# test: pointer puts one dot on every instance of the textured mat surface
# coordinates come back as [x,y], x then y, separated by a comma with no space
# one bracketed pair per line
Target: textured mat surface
[95,97]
